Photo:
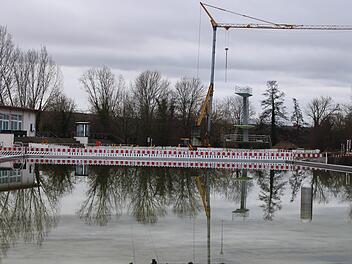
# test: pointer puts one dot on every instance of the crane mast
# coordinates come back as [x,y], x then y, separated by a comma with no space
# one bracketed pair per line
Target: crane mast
[206,109]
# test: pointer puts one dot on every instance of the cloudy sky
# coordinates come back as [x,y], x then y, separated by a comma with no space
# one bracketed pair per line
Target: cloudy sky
[133,36]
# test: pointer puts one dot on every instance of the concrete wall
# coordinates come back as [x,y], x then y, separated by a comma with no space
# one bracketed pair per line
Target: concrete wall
[28,119]
[6,140]
[82,140]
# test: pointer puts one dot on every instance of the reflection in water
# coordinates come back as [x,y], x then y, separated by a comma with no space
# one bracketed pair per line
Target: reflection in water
[58,180]
[306,203]
[29,200]
[295,181]
[272,187]
[104,195]
[152,188]
[185,196]
[28,213]
[243,210]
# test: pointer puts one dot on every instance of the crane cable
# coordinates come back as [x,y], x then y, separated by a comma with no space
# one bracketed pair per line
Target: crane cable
[242,15]
[153,245]
[133,246]
[199,33]
[227,37]
[194,238]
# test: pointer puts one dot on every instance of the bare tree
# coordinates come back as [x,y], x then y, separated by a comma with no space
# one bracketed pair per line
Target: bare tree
[126,113]
[231,109]
[189,94]
[103,93]
[148,87]
[320,109]
[27,79]
[21,73]
[62,109]
[100,85]
[6,69]
[44,80]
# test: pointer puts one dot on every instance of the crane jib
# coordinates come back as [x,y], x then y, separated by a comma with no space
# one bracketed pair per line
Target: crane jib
[284,26]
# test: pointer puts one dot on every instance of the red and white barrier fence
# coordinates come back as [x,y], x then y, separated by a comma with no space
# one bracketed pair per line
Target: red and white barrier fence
[168,164]
[159,153]
[11,151]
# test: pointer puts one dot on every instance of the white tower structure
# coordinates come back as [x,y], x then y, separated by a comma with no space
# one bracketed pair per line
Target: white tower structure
[245,92]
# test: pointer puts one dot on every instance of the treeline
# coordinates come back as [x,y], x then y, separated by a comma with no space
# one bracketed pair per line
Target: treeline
[150,107]
[328,124]
[150,110]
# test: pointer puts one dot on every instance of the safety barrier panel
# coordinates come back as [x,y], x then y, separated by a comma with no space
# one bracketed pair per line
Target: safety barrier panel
[176,154]
[142,163]
[12,151]
[168,164]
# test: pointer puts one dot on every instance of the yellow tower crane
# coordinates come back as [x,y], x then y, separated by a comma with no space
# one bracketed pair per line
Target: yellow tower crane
[206,109]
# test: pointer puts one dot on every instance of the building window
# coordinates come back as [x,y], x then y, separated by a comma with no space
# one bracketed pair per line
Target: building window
[16,122]
[4,122]
[82,129]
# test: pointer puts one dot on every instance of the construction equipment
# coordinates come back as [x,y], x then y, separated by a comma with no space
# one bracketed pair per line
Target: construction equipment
[186,142]
[204,190]
[207,105]
[204,113]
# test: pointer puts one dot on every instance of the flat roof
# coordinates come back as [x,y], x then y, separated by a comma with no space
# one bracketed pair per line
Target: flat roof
[17,108]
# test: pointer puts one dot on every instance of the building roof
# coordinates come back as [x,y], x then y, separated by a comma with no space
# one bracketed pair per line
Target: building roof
[17,108]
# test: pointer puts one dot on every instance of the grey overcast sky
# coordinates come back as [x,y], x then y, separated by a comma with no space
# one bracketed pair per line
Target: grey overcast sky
[133,36]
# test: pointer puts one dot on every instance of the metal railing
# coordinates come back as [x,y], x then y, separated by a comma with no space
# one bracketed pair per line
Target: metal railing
[251,138]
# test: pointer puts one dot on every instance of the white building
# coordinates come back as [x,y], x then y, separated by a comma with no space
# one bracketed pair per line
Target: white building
[16,121]
[13,179]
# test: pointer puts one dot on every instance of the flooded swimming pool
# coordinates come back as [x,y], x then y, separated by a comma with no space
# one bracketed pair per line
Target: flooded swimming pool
[110,214]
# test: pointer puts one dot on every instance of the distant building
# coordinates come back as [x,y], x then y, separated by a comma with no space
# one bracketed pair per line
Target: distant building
[16,121]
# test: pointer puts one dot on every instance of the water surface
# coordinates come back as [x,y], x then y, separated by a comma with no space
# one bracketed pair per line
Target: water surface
[111,214]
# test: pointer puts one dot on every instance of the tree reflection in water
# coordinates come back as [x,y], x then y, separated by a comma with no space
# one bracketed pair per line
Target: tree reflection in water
[229,184]
[148,193]
[295,181]
[58,179]
[185,196]
[104,195]
[149,199]
[272,187]
[27,214]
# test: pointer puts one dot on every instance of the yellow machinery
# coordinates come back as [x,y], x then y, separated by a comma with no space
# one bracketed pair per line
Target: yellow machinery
[206,108]
[202,188]
[204,113]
